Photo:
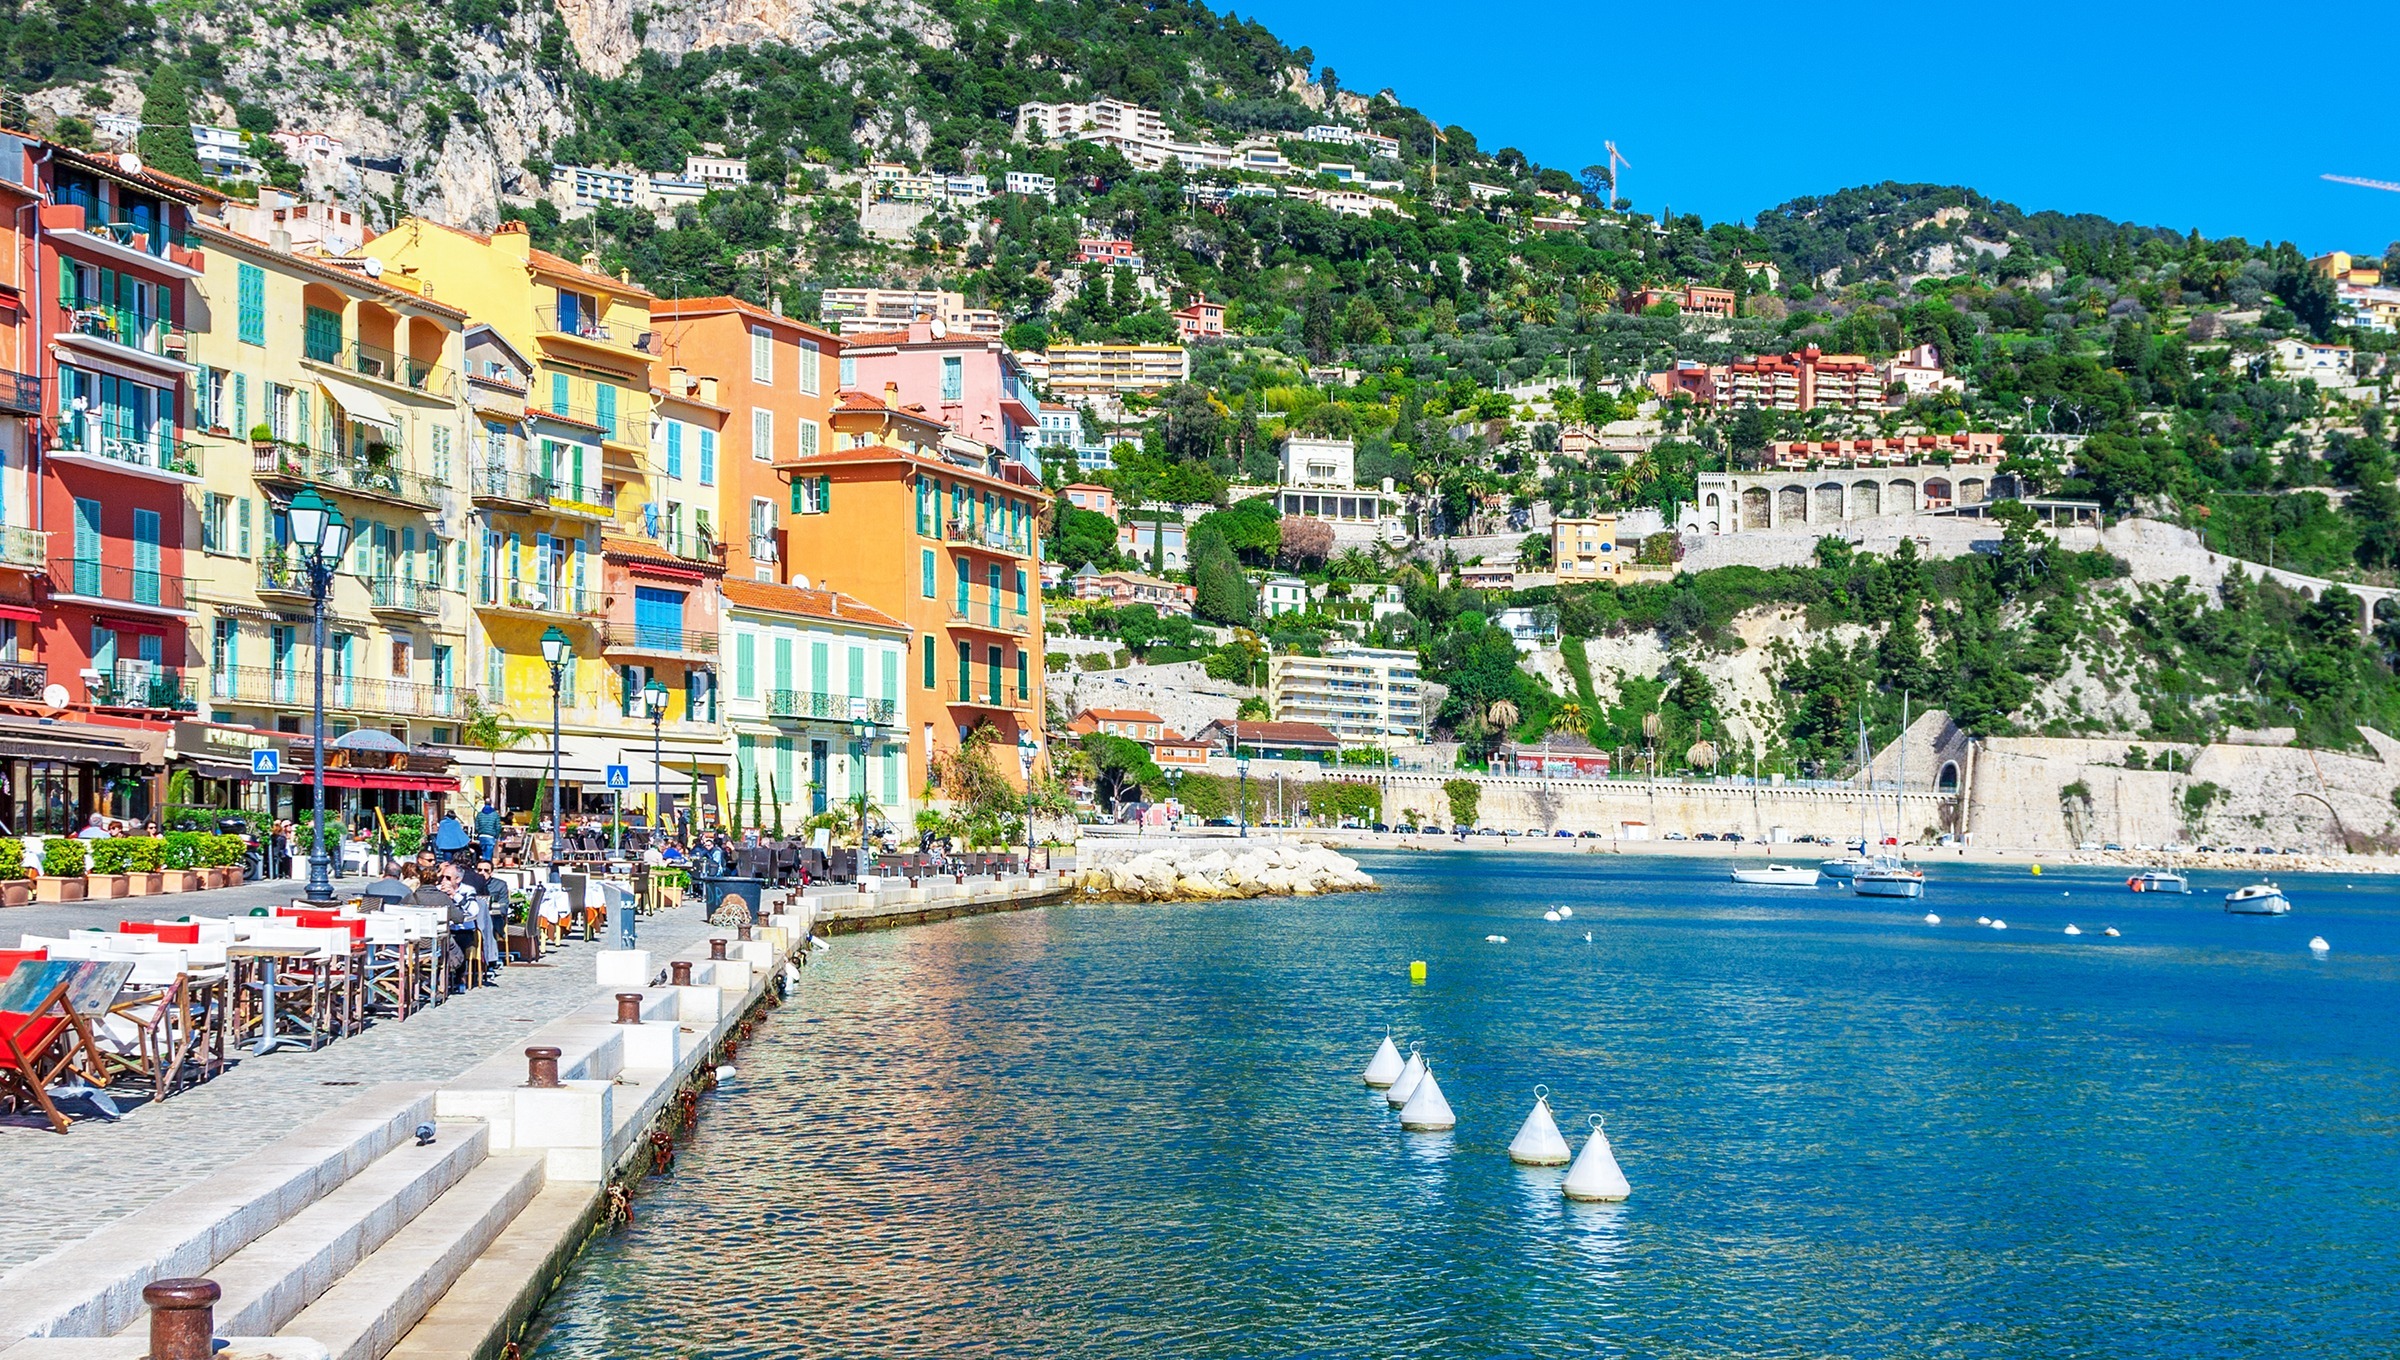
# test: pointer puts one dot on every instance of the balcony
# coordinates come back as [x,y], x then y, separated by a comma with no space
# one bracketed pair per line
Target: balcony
[980,693]
[533,491]
[804,703]
[987,538]
[696,547]
[83,581]
[20,393]
[625,428]
[284,575]
[984,619]
[122,332]
[294,686]
[24,549]
[403,597]
[552,601]
[377,480]
[397,370]
[144,687]
[638,639]
[99,443]
[23,679]
[578,325]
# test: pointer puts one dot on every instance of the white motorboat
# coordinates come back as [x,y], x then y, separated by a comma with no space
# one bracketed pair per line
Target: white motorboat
[2160,881]
[1888,876]
[1845,868]
[1777,876]
[2258,899]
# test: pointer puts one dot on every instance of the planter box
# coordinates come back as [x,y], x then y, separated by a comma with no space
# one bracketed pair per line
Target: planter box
[180,881]
[212,878]
[233,877]
[15,893]
[103,887]
[49,889]
[144,885]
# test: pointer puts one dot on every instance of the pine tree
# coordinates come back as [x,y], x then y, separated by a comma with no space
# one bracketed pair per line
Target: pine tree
[166,139]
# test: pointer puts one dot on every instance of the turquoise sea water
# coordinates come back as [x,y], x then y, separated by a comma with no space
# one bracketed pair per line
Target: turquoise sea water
[1139,1131]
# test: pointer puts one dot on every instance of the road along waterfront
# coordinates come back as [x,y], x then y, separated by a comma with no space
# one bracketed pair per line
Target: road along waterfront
[1115,1130]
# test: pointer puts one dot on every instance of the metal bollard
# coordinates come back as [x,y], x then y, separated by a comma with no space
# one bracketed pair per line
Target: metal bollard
[742,932]
[629,1008]
[680,972]
[716,949]
[541,1068]
[183,1318]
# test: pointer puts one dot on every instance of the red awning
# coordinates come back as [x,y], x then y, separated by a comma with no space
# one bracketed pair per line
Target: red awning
[376,779]
[665,572]
[21,613]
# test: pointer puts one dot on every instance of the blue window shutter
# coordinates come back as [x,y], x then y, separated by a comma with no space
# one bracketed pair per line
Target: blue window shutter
[252,304]
[675,448]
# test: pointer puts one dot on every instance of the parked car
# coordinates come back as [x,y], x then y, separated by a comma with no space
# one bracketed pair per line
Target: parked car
[1676,836]
[1705,836]
[1735,837]
[1564,835]
[2262,850]
[1588,835]
[2112,845]
[2087,845]
[1379,828]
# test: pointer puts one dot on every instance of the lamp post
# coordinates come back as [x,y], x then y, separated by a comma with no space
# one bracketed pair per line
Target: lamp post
[863,726]
[321,534]
[557,647]
[1026,751]
[1175,796]
[1241,767]
[654,699]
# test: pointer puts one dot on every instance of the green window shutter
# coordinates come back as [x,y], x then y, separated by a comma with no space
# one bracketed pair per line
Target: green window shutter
[604,399]
[891,677]
[783,662]
[244,519]
[1024,686]
[825,494]
[745,666]
[627,691]
[1020,592]
[798,483]
[252,304]
[929,659]
[323,337]
[928,564]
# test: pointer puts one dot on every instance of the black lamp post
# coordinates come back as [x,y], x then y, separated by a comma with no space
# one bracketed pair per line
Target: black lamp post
[1241,766]
[556,648]
[654,698]
[321,534]
[863,724]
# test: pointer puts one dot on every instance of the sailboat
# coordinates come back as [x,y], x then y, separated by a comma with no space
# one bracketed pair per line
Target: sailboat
[1847,866]
[1890,875]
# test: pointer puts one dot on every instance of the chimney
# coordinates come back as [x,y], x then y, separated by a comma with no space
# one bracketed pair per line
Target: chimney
[512,238]
[591,261]
[891,396]
[679,382]
[708,390]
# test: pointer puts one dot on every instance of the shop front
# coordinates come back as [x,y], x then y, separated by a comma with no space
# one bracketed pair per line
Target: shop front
[56,773]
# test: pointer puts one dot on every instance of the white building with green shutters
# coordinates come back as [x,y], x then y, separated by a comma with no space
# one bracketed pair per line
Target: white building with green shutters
[813,702]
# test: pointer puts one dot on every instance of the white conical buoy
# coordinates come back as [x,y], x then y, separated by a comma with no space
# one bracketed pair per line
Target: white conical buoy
[2111,932]
[1411,1072]
[1551,917]
[1426,1111]
[2317,945]
[1495,939]
[1983,920]
[1932,920]
[1538,1142]
[1566,911]
[1595,1176]
[1999,925]
[2073,929]
[1384,1068]
[725,1072]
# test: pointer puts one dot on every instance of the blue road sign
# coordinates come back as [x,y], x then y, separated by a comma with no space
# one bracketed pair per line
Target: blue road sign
[266,764]
[620,777]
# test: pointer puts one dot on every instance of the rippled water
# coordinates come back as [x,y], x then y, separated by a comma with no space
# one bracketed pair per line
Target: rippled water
[1138,1131]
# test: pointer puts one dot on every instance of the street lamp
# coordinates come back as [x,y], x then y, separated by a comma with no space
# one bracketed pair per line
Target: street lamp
[863,726]
[1026,751]
[321,534]
[654,700]
[557,647]
[1241,766]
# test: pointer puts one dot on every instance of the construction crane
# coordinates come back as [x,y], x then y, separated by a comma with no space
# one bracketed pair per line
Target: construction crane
[2383,184]
[1614,160]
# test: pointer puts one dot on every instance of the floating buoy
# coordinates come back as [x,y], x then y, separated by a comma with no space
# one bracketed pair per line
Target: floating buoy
[2073,929]
[2065,893]
[1932,920]
[2037,871]
[1384,1068]
[1566,910]
[1411,1072]
[1426,1111]
[2110,932]
[1538,1141]
[1595,1178]
[1551,916]
[725,1072]
[1495,939]
[1416,971]
[2317,945]
[1983,920]
[1999,925]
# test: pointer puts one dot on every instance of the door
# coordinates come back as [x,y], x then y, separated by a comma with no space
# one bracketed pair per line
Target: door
[280,657]
[816,776]
[658,617]
[991,583]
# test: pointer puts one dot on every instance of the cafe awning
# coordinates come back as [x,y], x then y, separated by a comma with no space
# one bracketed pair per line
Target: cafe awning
[80,743]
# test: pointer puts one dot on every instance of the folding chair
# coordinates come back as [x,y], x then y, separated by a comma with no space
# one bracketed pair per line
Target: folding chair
[46,1042]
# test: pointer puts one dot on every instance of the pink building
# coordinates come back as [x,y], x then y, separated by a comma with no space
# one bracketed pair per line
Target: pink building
[1097,499]
[969,382]
[1202,320]
[1110,252]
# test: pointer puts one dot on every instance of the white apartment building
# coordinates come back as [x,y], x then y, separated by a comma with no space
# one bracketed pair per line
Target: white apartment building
[717,171]
[801,663]
[1090,122]
[1030,185]
[879,309]
[1334,134]
[1367,696]
[591,187]
[1106,368]
[2326,365]
[222,154]
[659,192]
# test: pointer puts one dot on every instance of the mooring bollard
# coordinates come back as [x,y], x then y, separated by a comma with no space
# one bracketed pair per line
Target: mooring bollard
[629,1008]
[183,1318]
[680,972]
[541,1068]
[742,932]
[716,950]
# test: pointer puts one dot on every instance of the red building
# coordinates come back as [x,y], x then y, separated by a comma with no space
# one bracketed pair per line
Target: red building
[24,554]
[108,295]
[1202,320]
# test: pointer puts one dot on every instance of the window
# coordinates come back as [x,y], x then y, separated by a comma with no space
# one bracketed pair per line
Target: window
[858,673]
[322,341]
[954,377]
[699,699]
[604,398]
[966,672]
[783,661]
[849,371]
[928,573]
[925,498]
[762,435]
[762,522]
[966,585]
[251,285]
[242,527]
[891,677]
[812,495]
[810,356]
[658,616]
[929,650]
[1024,689]
[708,458]
[1020,592]
[745,665]
[241,404]
[558,391]
[808,439]
[216,523]
[762,355]
[675,448]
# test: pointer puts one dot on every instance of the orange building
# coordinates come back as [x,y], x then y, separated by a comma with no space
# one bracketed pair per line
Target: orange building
[941,532]
[777,379]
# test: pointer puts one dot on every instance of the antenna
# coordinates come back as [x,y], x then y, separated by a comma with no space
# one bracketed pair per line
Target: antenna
[1614,160]
[2385,185]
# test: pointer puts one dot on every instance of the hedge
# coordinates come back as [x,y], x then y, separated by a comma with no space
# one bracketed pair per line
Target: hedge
[112,856]
[63,857]
[12,860]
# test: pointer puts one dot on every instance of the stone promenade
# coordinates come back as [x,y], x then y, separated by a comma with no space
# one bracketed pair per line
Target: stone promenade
[58,1188]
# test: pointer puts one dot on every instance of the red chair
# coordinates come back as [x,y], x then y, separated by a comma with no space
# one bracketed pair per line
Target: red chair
[40,1045]
[173,932]
[334,920]
[10,958]
[137,927]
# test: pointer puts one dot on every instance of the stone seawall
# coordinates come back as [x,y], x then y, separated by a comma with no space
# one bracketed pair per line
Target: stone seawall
[1148,872]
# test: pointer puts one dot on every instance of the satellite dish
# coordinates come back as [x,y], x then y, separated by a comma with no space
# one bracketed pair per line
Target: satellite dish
[130,163]
[801,582]
[374,268]
[939,328]
[54,697]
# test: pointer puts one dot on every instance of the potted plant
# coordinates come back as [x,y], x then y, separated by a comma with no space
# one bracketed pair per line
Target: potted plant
[16,887]
[63,863]
[145,870]
[223,856]
[110,860]
[181,851]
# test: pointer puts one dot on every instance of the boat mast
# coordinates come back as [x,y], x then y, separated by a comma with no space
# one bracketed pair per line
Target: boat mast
[1900,776]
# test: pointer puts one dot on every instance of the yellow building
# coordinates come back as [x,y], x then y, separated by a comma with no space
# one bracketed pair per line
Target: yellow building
[1108,368]
[559,384]
[2343,267]
[313,373]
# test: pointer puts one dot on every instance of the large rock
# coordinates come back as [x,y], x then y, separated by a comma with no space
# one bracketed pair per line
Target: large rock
[1203,874]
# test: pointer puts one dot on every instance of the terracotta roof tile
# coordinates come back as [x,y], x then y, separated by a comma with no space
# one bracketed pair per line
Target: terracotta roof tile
[831,605]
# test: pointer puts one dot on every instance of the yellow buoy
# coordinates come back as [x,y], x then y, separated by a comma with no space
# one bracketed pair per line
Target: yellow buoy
[2037,871]
[1416,972]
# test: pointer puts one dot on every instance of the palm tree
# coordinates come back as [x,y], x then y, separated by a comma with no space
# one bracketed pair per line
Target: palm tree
[1356,564]
[1568,717]
[490,731]
[1502,714]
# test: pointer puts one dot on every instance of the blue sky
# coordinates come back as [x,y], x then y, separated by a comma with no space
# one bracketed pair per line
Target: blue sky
[2133,109]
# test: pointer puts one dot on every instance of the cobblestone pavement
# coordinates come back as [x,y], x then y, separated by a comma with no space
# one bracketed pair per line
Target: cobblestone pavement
[56,1189]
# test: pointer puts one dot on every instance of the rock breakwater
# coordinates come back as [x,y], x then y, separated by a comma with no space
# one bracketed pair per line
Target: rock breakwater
[1180,873]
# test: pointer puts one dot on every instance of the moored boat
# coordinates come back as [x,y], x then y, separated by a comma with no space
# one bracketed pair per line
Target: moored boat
[2258,899]
[1888,876]
[1846,867]
[1777,876]
[2159,881]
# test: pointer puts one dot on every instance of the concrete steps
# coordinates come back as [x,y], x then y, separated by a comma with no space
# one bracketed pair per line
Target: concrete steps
[268,1282]
[484,1307]
[365,1314]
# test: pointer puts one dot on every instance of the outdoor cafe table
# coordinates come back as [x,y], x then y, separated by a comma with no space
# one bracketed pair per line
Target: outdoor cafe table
[266,957]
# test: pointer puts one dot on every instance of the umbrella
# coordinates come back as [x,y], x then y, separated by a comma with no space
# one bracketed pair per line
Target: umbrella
[369,739]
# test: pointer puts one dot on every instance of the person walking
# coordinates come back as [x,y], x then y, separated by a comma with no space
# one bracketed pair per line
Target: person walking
[487,831]
[449,836]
